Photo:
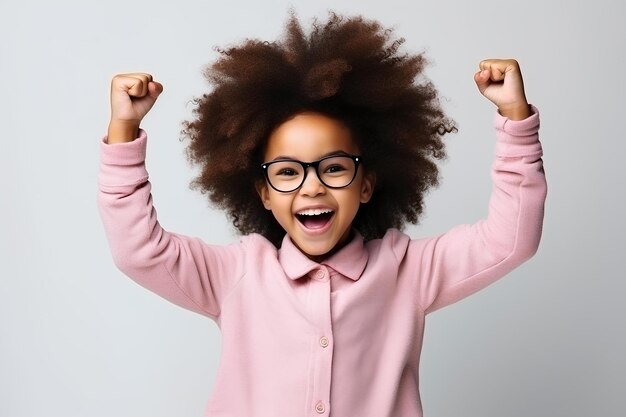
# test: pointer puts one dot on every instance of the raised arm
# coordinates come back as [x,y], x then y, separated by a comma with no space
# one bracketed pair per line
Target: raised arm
[182,269]
[470,257]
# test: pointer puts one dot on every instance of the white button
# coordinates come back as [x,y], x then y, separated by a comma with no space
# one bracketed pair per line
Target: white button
[324,341]
[319,274]
[319,407]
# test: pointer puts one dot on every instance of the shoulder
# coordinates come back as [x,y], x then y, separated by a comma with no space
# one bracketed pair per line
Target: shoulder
[247,247]
[393,242]
[400,244]
[256,244]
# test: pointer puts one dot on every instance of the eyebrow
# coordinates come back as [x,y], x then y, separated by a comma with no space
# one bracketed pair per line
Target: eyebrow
[333,153]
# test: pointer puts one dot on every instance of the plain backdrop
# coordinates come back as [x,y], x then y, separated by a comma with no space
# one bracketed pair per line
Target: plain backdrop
[78,338]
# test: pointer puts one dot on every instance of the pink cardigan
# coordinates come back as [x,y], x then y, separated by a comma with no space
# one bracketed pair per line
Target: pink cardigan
[339,338]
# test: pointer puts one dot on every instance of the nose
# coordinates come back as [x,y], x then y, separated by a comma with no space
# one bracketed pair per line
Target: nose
[312,185]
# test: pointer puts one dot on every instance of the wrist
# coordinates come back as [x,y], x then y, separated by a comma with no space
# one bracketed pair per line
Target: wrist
[515,112]
[122,131]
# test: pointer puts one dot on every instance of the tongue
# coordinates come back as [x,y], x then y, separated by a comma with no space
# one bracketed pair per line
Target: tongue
[315,222]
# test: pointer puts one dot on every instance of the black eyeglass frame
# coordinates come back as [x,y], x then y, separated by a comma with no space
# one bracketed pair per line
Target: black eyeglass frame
[357,159]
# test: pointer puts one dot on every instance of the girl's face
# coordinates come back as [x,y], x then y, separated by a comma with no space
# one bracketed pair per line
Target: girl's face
[308,137]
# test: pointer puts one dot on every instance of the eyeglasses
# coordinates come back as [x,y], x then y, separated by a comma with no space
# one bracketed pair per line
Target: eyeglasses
[287,175]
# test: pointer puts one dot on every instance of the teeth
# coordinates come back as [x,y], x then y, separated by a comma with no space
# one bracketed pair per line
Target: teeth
[314,212]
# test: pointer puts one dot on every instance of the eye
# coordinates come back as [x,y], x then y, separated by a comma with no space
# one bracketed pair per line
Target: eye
[334,168]
[286,172]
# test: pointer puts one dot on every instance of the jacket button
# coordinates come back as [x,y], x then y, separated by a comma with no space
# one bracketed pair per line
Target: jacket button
[324,341]
[319,407]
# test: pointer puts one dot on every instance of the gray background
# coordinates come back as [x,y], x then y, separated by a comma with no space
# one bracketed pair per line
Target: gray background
[77,338]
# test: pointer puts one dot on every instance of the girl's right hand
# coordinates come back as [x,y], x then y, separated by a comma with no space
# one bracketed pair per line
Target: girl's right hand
[500,81]
[132,97]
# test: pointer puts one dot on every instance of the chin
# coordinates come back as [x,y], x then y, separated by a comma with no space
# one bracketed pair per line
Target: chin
[315,250]
[318,252]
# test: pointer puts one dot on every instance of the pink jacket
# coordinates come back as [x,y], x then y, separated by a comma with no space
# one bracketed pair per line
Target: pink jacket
[340,338]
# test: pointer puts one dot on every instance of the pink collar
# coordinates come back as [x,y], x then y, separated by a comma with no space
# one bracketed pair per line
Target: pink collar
[349,261]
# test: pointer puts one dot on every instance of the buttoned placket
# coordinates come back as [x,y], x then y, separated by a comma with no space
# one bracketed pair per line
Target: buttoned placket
[323,341]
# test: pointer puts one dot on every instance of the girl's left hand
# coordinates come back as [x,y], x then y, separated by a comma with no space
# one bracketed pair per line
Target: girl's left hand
[500,80]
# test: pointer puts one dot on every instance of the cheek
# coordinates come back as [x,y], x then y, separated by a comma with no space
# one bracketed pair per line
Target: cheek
[278,203]
[281,211]
[350,201]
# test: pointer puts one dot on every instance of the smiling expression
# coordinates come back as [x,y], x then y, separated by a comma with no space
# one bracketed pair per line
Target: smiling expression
[316,218]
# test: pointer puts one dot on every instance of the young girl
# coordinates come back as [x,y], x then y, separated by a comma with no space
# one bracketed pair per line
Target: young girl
[320,147]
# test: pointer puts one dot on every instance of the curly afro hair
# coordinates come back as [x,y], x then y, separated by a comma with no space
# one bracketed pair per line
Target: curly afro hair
[347,68]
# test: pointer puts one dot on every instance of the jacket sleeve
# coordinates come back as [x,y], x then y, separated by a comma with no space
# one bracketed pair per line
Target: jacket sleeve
[469,257]
[181,269]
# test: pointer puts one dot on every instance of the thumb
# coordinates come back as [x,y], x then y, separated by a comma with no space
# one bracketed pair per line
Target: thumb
[144,104]
[154,89]
[482,79]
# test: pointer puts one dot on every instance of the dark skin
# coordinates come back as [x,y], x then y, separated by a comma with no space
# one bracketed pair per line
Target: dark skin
[500,80]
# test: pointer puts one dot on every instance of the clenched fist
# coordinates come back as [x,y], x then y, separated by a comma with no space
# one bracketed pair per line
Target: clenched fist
[500,80]
[132,97]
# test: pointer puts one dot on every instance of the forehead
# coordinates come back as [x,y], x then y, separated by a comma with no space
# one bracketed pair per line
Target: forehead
[308,136]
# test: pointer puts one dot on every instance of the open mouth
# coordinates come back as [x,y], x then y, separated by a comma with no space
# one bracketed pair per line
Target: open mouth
[315,218]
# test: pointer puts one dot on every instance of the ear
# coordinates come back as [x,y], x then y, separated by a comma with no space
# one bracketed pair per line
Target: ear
[264,194]
[367,186]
